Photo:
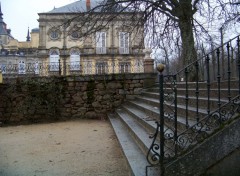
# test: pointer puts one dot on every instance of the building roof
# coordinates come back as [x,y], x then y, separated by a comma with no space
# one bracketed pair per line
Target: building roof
[35,30]
[3,26]
[80,7]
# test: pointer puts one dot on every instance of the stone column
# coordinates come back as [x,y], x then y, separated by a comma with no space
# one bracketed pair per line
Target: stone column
[148,62]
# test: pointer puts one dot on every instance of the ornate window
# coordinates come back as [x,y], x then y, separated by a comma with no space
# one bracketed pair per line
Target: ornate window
[101,42]
[124,67]
[75,60]
[101,67]
[54,33]
[123,42]
[87,67]
[36,68]
[54,60]
[21,67]
[75,35]
[3,68]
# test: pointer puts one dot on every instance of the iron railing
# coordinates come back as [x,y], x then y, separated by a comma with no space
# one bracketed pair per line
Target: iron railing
[71,68]
[210,101]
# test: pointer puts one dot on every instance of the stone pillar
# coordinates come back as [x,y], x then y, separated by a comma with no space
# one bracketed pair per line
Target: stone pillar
[148,62]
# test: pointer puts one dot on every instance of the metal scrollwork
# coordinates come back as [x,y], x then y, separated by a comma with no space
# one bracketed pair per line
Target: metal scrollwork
[153,154]
[204,128]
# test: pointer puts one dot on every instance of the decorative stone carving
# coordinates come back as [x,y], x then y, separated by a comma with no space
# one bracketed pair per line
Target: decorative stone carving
[148,61]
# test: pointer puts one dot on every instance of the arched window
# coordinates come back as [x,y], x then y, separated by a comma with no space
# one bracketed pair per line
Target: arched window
[54,60]
[21,67]
[75,60]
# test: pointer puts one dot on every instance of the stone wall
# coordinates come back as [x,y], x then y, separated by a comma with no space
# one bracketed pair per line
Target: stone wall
[52,98]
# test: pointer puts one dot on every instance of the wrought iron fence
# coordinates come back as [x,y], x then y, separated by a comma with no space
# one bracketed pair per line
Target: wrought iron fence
[71,68]
[183,121]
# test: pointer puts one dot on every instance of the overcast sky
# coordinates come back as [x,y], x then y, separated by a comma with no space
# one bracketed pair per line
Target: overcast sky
[21,14]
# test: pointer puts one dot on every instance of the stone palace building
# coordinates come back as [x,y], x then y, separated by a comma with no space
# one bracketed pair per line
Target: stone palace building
[84,37]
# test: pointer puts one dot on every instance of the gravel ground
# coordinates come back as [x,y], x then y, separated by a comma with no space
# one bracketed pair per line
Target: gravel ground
[78,148]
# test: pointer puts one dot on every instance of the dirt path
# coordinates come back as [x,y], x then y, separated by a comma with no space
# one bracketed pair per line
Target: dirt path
[78,148]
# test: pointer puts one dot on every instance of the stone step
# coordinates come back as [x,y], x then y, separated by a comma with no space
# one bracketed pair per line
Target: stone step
[213,93]
[214,85]
[152,112]
[192,100]
[138,133]
[135,157]
[181,109]
[141,117]
[135,120]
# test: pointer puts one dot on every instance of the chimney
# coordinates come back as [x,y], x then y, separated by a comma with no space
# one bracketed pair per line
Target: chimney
[88,5]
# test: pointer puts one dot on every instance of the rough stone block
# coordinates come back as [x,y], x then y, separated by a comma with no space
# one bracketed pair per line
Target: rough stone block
[96,104]
[117,97]
[135,81]
[107,97]
[91,115]
[67,105]
[71,84]
[121,91]
[102,92]
[82,110]
[100,86]
[84,88]
[113,85]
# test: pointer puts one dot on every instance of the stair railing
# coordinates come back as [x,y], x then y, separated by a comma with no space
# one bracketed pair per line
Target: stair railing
[180,127]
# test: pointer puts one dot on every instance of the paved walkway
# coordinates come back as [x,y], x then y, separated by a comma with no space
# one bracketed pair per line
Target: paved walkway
[78,148]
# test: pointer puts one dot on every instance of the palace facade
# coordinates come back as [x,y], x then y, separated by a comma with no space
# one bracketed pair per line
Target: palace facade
[79,38]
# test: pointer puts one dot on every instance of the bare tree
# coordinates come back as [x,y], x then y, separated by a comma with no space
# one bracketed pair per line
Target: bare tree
[166,20]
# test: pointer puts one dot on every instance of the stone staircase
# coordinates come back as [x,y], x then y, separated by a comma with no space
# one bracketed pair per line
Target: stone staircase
[134,121]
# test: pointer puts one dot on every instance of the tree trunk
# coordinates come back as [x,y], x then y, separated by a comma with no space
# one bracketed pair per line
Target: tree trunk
[189,53]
